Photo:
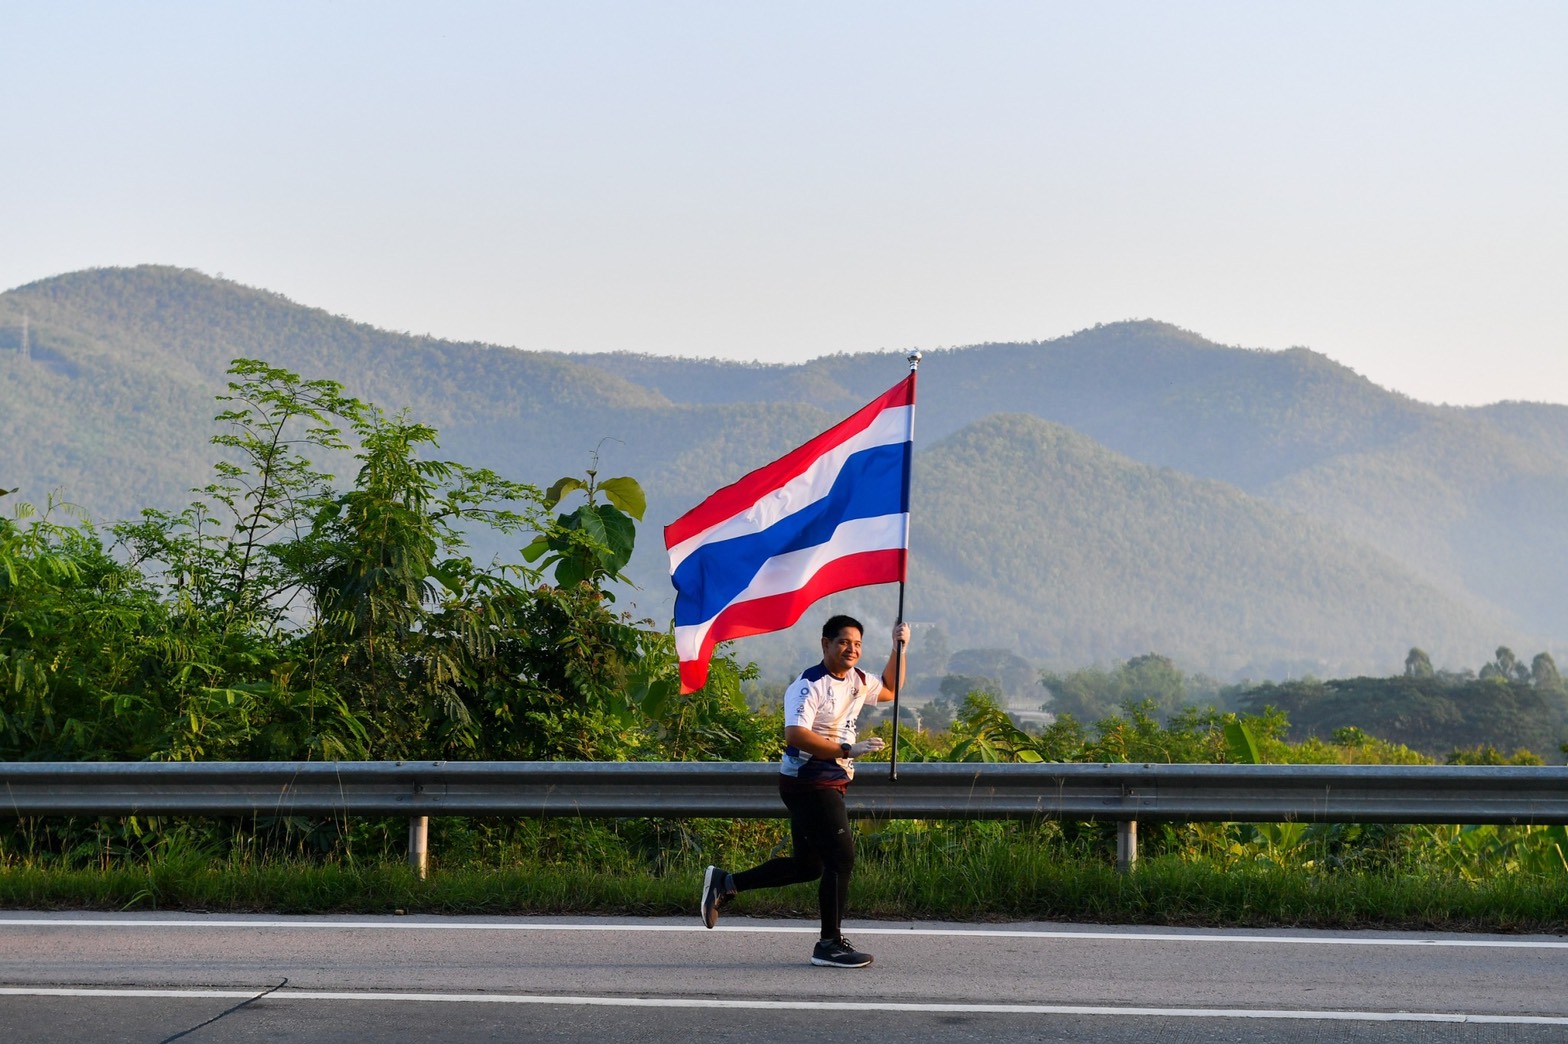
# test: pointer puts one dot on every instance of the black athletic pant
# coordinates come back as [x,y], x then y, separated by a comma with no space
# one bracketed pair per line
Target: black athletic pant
[824,848]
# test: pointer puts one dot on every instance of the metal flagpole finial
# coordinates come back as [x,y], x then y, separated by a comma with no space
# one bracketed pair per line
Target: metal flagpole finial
[914,359]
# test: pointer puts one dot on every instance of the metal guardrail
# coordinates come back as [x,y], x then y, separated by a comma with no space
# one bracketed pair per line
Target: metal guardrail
[1122,793]
[1192,793]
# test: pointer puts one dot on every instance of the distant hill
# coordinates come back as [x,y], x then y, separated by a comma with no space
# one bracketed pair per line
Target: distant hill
[1126,489]
[1149,390]
[125,364]
[1063,532]
[1466,499]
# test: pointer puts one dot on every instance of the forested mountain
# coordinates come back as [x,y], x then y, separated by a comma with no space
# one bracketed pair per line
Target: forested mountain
[125,363]
[1058,531]
[1127,489]
[1467,499]
[1149,390]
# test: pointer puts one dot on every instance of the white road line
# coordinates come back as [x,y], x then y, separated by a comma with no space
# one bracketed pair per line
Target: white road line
[911,931]
[805,1005]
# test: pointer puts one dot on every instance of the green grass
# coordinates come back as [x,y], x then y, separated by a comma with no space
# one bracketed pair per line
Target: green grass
[997,881]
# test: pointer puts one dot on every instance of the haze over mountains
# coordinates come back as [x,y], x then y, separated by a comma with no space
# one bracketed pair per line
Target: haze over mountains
[1127,489]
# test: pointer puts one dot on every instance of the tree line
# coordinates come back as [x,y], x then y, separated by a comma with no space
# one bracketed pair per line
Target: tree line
[279,616]
[1504,705]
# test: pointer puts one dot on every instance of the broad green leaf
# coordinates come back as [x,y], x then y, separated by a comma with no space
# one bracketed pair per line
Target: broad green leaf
[626,494]
[620,535]
[569,572]
[588,522]
[563,486]
[1242,747]
[656,696]
[448,578]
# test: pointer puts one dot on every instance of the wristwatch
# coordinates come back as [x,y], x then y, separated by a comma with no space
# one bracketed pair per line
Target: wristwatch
[845,747]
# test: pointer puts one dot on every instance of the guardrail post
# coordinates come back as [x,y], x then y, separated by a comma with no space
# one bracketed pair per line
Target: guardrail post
[1126,845]
[418,843]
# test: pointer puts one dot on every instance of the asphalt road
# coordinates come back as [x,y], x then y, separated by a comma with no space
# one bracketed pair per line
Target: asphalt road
[139,977]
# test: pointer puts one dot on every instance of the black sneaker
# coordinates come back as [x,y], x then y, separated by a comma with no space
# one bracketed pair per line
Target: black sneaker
[713,895]
[838,953]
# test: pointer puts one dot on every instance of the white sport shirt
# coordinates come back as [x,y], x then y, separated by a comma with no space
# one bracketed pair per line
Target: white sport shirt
[830,707]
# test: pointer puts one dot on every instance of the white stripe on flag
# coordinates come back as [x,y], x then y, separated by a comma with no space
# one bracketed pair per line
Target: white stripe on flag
[791,571]
[890,428]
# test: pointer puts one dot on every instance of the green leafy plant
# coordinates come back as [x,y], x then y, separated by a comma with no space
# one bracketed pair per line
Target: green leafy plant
[593,542]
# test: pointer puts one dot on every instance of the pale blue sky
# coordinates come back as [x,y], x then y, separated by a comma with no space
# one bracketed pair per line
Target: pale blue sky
[1382,182]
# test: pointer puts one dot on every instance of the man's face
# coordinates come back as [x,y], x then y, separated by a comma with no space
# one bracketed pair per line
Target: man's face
[841,653]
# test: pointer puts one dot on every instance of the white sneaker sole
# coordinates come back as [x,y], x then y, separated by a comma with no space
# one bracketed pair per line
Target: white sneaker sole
[709,917]
[821,962]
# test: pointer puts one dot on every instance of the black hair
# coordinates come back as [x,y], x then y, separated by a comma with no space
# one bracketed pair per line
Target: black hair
[836,624]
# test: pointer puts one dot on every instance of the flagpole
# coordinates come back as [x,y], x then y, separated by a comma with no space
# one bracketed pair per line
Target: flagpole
[898,663]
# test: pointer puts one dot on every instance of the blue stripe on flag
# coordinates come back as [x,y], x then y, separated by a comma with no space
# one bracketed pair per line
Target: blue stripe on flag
[869,485]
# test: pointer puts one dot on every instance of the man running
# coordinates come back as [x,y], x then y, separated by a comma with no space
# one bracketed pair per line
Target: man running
[820,712]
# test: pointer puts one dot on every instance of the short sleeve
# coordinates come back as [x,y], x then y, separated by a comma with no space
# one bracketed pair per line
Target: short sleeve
[799,707]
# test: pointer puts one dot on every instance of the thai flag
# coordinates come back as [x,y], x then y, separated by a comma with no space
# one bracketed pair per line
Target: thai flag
[831,515]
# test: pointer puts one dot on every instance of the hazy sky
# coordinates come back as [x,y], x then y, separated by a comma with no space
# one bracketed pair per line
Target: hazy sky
[1382,182]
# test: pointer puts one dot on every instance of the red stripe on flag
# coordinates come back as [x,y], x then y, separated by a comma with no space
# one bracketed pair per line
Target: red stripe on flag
[776,612]
[746,491]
